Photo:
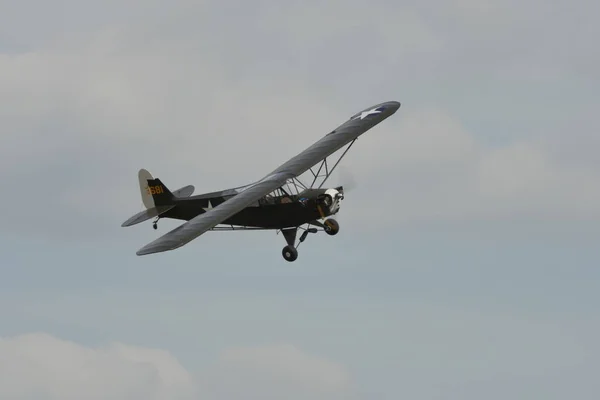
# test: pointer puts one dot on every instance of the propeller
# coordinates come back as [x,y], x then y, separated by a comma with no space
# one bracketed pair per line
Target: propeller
[348,178]
[348,183]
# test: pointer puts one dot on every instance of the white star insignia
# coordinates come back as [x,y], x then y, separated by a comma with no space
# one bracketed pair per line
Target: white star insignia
[209,206]
[365,114]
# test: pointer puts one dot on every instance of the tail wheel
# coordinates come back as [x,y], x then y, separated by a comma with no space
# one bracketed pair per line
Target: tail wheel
[289,253]
[332,227]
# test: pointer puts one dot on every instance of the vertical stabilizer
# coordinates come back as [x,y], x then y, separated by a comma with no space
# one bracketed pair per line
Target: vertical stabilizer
[154,192]
[145,176]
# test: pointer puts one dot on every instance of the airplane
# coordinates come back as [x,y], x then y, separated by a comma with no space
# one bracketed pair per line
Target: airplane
[279,201]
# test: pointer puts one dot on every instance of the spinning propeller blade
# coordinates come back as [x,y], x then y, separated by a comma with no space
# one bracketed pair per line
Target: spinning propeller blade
[347,179]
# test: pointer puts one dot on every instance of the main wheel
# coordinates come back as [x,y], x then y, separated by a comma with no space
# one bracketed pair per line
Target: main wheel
[289,253]
[332,227]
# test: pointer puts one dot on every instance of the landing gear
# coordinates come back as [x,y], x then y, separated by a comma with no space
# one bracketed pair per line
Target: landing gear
[155,223]
[290,253]
[331,226]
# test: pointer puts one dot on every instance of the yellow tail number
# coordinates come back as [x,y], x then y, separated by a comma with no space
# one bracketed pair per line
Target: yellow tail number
[158,189]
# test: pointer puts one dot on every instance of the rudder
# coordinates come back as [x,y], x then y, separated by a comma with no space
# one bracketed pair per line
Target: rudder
[154,192]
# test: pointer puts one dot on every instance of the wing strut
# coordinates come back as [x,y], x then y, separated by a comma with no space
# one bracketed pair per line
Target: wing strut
[298,185]
[336,164]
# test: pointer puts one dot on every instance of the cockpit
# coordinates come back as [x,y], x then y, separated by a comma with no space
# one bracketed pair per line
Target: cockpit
[273,199]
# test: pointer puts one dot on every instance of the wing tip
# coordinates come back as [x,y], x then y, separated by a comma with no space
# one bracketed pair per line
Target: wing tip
[145,252]
[149,250]
[156,248]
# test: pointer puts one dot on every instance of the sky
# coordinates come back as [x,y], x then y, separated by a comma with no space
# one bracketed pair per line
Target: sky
[467,261]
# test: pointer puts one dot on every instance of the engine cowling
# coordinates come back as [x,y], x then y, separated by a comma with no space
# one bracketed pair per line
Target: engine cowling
[332,198]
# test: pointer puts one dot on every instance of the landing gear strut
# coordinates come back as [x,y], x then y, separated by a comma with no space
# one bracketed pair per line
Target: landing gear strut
[290,252]
[155,223]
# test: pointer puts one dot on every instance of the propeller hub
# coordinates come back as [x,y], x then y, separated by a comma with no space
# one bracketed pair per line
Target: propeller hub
[336,195]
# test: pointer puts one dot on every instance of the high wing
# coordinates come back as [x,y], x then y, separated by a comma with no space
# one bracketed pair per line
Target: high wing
[329,144]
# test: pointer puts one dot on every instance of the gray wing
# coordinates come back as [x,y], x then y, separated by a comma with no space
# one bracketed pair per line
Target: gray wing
[358,124]
[335,140]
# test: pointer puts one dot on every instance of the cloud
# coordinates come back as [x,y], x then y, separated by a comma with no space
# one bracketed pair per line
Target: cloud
[278,371]
[498,125]
[430,168]
[82,113]
[39,366]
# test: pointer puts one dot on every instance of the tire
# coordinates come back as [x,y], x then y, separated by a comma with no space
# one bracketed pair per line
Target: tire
[289,253]
[332,227]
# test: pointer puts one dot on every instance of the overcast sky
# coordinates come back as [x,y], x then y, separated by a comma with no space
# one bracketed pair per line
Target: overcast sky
[467,265]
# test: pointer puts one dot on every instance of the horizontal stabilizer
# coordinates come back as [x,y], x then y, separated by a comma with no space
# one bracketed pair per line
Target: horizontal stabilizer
[185,191]
[146,215]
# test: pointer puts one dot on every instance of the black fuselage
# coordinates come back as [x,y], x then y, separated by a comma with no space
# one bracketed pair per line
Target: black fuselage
[269,213]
